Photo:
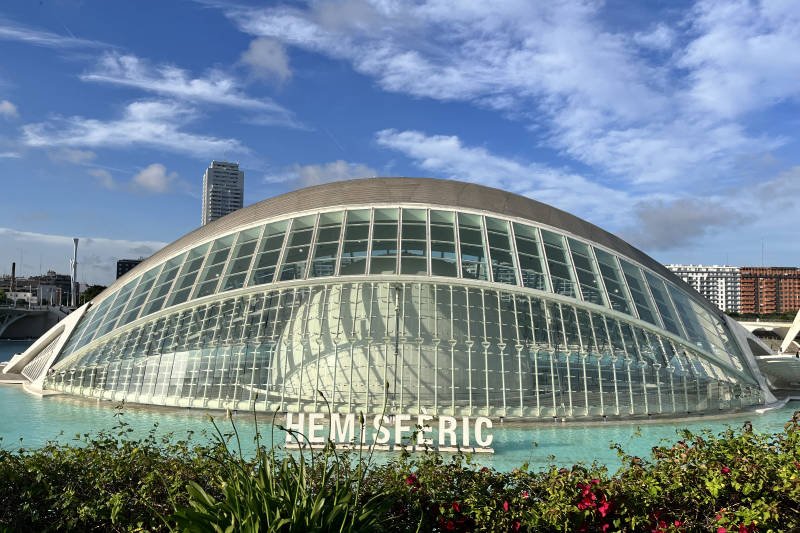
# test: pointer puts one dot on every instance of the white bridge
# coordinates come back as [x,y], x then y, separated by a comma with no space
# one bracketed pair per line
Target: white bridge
[787,331]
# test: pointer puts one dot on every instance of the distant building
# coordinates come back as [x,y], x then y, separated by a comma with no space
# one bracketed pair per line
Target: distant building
[718,284]
[223,190]
[125,265]
[24,297]
[770,290]
[51,287]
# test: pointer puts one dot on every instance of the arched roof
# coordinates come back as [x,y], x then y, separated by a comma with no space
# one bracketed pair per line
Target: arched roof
[396,190]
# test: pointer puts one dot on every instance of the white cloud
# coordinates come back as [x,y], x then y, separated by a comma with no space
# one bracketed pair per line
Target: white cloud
[77,157]
[594,94]
[155,179]
[307,175]
[10,155]
[144,123]
[446,156]
[215,88]
[267,59]
[104,178]
[660,37]
[97,256]
[10,31]
[743,56]
[7,109]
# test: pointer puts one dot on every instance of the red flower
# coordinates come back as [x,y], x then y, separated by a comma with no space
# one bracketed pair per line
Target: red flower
[595,482]
[450,526]
[516,525]
[456,507]
[411,479]
[725,470]
[505,506]
[604,507]
[525,495]
[678,523]
[721,529]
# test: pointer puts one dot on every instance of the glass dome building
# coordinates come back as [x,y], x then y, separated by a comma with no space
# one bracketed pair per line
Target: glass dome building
[421,295]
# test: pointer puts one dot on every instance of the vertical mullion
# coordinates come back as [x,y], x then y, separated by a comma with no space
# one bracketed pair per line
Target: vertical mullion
[486,251]
[282,254]
[501,346]
[310,258]
[457,243]
[512,236]
[573,269]
[535,358]
[249,272]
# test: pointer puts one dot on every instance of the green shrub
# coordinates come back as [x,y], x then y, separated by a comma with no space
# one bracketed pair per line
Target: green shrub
[105,482]
[737,481]
[272,493]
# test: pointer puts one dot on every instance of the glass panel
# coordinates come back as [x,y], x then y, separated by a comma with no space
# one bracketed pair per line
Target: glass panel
[413,242]
[503,269]
[639,292]
[473,249]
[384,242]
[162,285]
[530,257]
[559,264]
[185,282]
[612,277]
[214,265]
[138,296]
[588,278]
[269,251]
[120,301]
[694,331]
[327,247]
[443,244]
[241,258]
[354,247]
[298,248]
[663,304]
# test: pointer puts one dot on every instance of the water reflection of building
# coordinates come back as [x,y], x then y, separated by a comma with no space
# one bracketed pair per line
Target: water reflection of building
[423,296]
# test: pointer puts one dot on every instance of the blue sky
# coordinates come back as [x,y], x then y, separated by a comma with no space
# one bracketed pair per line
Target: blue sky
[672,124]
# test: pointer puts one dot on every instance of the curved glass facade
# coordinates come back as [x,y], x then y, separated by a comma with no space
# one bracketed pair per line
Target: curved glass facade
[429,309]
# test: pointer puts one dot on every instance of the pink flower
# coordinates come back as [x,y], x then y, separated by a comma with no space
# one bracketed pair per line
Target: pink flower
[725,470]
[411,479]
[505,506]
[525,495]
[595,482]
[721,529]
[678,523]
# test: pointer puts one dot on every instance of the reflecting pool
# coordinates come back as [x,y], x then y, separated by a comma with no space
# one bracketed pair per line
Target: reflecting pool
[30,421]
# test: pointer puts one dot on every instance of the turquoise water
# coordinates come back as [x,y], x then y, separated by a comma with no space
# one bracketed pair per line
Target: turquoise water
[29,421]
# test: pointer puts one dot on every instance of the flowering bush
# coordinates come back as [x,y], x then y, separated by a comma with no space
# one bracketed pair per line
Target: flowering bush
[737,481]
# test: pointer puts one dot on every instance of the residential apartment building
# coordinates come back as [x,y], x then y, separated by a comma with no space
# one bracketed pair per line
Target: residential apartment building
[718,284]
[223,190]
[770,289]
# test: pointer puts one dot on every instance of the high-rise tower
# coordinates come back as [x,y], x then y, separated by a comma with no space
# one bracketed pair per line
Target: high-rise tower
[223,190]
